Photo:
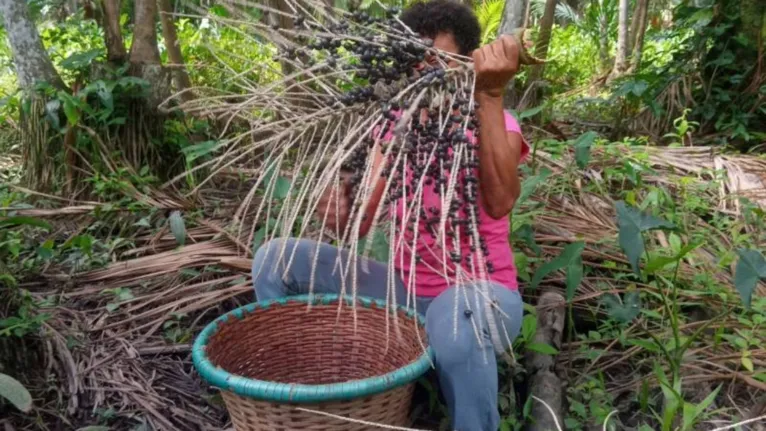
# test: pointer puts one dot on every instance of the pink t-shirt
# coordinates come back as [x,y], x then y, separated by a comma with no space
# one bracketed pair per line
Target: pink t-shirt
[429,279]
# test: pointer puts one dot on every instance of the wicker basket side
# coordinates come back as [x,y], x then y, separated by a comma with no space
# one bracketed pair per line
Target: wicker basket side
[389,408]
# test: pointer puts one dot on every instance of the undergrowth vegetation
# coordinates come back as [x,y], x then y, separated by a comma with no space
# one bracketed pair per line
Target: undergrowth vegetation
[642,203]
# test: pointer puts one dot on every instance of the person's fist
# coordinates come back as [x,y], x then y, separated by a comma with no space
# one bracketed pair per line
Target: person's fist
[495,64]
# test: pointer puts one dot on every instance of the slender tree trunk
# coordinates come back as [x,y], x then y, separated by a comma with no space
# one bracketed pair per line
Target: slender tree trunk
[32,62]
[638,36]
[621,59]
[513,18]
[541,51]
[174,50]
[115,47]
[144,49]
[41,145]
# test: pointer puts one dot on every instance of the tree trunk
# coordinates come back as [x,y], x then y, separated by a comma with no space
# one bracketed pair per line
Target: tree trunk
[29,56]
[115,47]
[174,50]
[33,66]
[144,49]
[541,51]
[513,18]
[621,59]
[637,37]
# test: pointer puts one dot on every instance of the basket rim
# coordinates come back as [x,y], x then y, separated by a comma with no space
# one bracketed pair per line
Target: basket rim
[303,393]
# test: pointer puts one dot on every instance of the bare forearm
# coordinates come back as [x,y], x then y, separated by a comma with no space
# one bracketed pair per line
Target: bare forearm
[498,158]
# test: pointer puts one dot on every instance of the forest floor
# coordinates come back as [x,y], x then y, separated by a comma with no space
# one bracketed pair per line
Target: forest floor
[124,302]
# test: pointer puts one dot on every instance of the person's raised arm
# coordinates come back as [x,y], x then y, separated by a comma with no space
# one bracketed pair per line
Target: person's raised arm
[499,151]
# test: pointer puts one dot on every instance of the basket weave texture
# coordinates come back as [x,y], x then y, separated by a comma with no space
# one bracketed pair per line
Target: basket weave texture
[273,357]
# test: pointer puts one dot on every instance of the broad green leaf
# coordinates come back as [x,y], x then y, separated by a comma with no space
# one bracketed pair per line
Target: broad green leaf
[527,234]
[380,246]
[71,108]
[622,311]
[260,234]
[105,95]
[661,262]
[281,188]
[528,326]
[570,260]
[545,349]
[751,267]
[582,148]
[80,60]
[530,112]
[632,223]
[530,185]
[13,391]
[177,227]
[23,220]
[202,149]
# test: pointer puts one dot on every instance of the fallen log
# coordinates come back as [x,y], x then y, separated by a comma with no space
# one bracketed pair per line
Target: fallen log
[545,385]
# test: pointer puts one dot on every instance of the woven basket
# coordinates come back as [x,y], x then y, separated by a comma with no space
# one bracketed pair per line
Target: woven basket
[279,363]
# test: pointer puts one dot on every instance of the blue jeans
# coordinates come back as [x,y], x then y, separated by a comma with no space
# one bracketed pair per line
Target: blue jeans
[466,368]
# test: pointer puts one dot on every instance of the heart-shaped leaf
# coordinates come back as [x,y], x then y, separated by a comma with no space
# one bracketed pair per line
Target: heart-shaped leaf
[632,223]
[13,391]
[622,311]
[582,148]
[570,260]
[751,267]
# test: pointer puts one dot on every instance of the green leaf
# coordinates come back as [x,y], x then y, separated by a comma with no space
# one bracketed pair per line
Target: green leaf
[582,148]
[202,149]
[545,349]
[622,311]
[105,95]
[531,112]
[380,246]
[23,220]
[80,60]
[570,259]
[527,234]
[177,227]
[690,420]
[661,262]
[260,234]
[751,266]
[530,185]
[281,188]
[71,108]
[632,223]
[528,326]
[94,428]
[13,391]
[646,344]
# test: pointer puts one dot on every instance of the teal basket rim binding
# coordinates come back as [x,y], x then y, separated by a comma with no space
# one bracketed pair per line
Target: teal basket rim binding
[301,393]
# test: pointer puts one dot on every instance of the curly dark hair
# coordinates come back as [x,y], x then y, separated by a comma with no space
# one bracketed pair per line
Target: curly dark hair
[431,17]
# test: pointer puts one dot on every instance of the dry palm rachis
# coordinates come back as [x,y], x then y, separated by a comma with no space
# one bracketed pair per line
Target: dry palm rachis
[347,81]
